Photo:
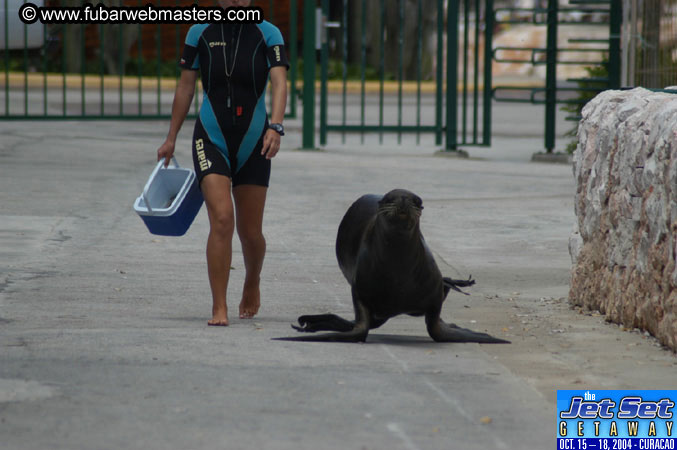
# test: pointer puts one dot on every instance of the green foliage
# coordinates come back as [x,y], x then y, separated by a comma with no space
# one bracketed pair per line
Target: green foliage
[15,62]
[34,62]
[588,89]
[152,68]
[30,61]
[353,71]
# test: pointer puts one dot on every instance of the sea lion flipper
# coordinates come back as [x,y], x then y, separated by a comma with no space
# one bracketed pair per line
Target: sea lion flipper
[450,283]
[357,333]
[323,322]
[444,332]
[460,283]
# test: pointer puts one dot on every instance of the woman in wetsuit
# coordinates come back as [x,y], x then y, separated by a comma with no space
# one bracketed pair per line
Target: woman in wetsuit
[233,141]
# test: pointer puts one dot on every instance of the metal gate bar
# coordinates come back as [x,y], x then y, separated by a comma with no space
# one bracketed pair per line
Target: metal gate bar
[470,98]
[473,127]
[552,58]
[88,88]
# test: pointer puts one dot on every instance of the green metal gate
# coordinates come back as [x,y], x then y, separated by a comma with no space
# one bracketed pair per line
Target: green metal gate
[367,87]
[446,94]
[88,71]
[552,94]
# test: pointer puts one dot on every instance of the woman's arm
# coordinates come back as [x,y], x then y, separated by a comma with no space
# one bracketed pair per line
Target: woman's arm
[183,97]
[278,81]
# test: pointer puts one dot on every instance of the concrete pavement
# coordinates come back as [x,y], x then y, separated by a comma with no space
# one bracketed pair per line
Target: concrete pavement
[103,336]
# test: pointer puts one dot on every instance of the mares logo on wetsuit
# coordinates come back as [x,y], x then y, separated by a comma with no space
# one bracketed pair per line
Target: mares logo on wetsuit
[201,158]
[216,43]
[276,49]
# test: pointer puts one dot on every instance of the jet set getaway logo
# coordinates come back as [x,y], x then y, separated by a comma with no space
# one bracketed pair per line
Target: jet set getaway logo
[615,419]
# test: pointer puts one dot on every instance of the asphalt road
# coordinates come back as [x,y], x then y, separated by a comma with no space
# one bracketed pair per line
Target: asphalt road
[103,336]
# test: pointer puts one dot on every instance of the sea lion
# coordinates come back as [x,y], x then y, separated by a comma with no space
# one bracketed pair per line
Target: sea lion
[391,271]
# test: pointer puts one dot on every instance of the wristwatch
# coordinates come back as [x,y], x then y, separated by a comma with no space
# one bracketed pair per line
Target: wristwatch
[277,127]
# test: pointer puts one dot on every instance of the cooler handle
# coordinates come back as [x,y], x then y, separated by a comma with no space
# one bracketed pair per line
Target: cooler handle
[160,165]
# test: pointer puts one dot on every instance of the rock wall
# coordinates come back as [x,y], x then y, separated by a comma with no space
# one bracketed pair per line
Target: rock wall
[625,238]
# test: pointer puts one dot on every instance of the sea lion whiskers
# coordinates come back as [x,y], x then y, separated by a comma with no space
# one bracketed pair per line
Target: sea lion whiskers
[407,209]
[389,208]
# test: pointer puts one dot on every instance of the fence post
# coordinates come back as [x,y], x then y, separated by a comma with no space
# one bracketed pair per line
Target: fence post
[486,95]
[309,74]
[438,75]
[293,50]
[452,74]
[615,22]
[6,58]
[551,76]
[324,55]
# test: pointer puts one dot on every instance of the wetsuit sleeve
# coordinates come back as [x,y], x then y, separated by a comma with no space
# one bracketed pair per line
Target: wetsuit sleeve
[190,58]
[276,54]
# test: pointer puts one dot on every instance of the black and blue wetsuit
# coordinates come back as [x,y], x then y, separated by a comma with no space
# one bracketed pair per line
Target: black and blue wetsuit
[234,62]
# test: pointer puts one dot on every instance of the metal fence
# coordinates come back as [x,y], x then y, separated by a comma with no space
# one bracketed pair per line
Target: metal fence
[387,66]
[111,71]
[580,13]
[407,67]
[650,43]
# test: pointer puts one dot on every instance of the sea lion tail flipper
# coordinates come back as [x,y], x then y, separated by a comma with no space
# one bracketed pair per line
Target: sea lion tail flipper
[455,284]
[323,322]
[444,332]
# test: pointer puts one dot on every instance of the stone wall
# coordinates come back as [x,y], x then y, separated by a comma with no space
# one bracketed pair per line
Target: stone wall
[625,238]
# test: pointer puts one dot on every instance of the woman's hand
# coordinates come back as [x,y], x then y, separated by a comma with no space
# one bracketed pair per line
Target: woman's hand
[271,143]
[166,151]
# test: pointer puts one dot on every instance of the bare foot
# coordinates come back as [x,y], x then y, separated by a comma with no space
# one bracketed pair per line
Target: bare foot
[219,317]
[251,302]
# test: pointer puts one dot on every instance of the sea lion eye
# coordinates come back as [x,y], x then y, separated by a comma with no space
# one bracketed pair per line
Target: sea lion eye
[385,201]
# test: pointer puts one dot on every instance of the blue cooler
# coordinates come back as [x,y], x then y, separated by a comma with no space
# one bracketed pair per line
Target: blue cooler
[170,201]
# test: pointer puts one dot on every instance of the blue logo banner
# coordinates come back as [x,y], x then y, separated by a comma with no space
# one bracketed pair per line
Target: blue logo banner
[616,419]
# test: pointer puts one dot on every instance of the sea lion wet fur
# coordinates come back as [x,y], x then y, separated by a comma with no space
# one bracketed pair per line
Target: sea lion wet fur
[391,271]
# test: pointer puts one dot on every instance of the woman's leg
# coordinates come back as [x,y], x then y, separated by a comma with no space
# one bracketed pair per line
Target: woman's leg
[216,191]
[249,203]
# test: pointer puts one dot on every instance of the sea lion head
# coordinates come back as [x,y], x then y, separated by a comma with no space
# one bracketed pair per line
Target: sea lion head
[400,210]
